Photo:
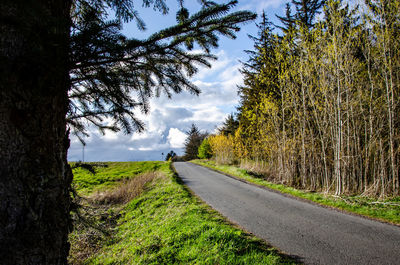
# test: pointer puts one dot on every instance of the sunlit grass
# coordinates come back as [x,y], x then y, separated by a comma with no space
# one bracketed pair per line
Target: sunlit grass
[109,174]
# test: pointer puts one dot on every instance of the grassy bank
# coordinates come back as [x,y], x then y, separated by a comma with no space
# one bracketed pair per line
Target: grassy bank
[109,174]
[162,224]
[387,210]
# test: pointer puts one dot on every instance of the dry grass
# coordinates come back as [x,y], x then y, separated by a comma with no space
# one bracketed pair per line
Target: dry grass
[258,169]
[126,191]
[84,245]
[99,214]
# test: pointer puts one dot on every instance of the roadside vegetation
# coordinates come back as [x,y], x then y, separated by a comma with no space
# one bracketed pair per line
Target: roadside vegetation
[318,103]
[387,210]
[140,213]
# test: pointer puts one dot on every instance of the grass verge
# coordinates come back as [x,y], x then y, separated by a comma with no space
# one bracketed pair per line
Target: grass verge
[387,210]
[164,224]
[109,174]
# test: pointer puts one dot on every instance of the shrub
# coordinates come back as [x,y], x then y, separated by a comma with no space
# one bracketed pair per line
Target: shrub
[205,151]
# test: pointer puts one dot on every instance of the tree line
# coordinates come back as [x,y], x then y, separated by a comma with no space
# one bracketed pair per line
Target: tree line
[320,101]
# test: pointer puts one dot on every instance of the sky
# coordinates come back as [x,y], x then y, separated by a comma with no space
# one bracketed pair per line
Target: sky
[169,119]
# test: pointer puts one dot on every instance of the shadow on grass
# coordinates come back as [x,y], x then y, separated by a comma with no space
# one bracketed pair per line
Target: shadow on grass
[256,175]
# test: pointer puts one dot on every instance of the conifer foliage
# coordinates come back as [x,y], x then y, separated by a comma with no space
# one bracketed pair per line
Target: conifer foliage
[193,142]
[229,126]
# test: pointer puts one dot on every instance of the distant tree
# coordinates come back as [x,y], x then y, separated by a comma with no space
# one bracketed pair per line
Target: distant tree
[229,126]
[170,156]
[205,151]
[65,64]
[193,141]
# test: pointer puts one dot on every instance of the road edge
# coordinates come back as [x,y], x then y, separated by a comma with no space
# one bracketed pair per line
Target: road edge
[299,198]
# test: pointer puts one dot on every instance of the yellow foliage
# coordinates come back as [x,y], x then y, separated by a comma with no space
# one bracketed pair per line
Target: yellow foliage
[223,148]
[240,149]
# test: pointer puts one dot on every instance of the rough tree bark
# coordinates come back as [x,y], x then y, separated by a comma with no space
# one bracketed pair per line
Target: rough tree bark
[34,173]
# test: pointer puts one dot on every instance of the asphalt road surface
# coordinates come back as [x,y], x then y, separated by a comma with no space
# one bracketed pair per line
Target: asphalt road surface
[313,234]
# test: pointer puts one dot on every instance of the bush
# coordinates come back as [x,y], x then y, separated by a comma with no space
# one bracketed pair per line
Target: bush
[205,151]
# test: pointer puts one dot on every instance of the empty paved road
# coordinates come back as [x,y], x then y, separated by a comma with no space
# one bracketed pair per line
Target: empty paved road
[314,234]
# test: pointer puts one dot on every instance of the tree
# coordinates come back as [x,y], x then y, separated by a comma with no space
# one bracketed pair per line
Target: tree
[205,151]
[229,126]
[288,21]
[192,142]
[318,103]
[222,148]
[306,10]
[170,156]
[384,16]
[34,175]
[260,80]
[63,65]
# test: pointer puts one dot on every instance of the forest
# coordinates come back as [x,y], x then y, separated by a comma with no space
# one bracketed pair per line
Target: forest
[320,101]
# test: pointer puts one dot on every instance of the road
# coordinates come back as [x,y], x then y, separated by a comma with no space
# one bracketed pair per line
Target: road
[313,234]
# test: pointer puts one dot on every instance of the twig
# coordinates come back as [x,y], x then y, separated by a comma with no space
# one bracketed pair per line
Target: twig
[347,201]
[385,203]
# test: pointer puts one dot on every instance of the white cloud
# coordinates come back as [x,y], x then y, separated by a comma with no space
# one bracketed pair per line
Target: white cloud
[176,138]
[259,6]
[145,148]
[221,63]
[110,136]
[211,114]
[263,5]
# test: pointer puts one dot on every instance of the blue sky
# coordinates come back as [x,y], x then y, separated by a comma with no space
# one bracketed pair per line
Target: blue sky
[169,119]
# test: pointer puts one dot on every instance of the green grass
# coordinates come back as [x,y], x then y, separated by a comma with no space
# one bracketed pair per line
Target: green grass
[167,225]
[387,210]
[108,174]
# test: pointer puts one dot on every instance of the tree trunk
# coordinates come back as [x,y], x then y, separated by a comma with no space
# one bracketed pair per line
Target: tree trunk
[34,173]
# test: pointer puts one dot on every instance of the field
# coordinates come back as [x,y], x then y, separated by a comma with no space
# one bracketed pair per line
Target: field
[140,213]
[387,210]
